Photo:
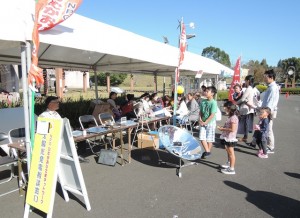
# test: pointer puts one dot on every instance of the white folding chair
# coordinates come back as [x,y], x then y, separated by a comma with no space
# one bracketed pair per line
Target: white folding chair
[142,123]
[87,121]
[7,161]
[18,136]
[107,119]
[188,124]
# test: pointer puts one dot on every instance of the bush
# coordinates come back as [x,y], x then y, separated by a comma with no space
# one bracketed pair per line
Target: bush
[222,95]
[68,108]
[290,90]
[261,88]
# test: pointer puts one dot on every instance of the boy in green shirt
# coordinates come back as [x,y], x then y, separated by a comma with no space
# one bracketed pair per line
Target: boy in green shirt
[207,120]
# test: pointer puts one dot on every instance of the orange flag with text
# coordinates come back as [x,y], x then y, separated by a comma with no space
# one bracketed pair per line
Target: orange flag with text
[48,13]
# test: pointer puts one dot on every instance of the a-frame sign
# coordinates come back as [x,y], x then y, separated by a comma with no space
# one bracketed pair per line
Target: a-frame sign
[54,157]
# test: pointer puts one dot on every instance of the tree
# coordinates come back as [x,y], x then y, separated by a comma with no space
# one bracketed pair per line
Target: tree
[257,69]
[290,63]
[217,55]
[115,78]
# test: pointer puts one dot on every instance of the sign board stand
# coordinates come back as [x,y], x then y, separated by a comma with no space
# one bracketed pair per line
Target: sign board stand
[54,157]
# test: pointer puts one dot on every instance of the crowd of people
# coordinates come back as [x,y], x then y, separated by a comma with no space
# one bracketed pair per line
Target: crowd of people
[241,111]
[201,108]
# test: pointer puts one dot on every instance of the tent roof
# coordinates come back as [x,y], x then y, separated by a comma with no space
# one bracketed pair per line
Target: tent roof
[81,43]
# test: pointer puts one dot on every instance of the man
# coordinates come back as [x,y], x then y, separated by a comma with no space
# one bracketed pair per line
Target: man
[52,104]
[270,100]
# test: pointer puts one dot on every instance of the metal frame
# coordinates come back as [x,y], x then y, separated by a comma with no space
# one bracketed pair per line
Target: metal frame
[90,119]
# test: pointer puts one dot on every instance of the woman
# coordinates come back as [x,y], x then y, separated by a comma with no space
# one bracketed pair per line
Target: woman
[193,108]
[182,109]
[246,109]
[114,107]
[127,107]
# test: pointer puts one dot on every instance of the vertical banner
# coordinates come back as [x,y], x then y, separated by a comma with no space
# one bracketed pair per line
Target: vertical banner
[45,156]
[48,13]
[235,79]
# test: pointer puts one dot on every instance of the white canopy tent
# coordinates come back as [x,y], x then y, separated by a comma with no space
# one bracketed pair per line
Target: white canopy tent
[81,43]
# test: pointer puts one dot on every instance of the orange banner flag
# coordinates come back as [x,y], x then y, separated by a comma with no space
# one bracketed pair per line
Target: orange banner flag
[48,13]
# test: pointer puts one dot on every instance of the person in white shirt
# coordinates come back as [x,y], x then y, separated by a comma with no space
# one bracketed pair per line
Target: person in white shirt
[270,100]
[52,104]
[246,109]
[182,110]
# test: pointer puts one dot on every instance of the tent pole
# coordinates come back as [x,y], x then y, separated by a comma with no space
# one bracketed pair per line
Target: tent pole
[155,81]
[31,99]
[164,86]
[96,82]
[175,97]
[25,103]
[108,82]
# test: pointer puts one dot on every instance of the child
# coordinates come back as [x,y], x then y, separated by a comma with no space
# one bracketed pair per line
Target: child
[260,135]
[238,93]
[228,137]
[207,120]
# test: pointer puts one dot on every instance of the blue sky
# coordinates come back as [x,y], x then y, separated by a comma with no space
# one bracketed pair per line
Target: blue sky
[254,29]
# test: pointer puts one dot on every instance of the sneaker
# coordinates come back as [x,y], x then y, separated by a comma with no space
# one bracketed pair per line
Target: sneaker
[225,165]
[228,171]
[176,152]
[262,155]
[270,151]
[207,154]
[260,152]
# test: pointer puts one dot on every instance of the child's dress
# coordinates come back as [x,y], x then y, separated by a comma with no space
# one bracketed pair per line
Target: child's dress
[230,136]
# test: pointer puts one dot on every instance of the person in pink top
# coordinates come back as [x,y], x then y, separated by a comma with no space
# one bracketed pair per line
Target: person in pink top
[228,137]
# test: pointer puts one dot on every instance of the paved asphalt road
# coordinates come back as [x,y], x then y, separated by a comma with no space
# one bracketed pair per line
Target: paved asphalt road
[261,187]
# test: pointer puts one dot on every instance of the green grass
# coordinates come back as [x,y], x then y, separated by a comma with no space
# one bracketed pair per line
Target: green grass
[142,83]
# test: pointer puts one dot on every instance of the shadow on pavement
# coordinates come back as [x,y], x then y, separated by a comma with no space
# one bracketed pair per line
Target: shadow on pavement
[294,175]
[151,157]
[273,204]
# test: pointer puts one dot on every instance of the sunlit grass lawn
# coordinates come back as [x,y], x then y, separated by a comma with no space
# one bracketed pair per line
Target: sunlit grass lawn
[142,83]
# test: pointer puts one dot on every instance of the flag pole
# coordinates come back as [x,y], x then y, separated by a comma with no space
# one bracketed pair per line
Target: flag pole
[176,78]
[235,79]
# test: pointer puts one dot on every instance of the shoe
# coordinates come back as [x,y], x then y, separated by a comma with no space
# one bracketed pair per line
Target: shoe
[228,171]
[260,152]
[270,151]
[207,154]
[203,155]
[176,152]
[252,145]
[262,155]
[226,165]
[83,160]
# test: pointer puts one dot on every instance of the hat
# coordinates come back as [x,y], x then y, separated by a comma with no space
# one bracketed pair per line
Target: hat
[49,99]
[145,95]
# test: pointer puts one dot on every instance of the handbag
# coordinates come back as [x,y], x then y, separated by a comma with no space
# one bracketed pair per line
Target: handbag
[218,115]
[108,157]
